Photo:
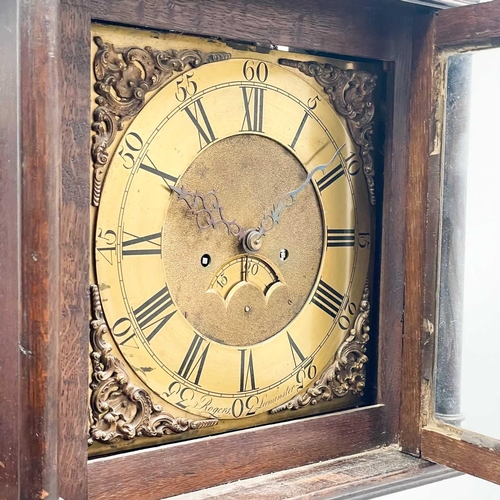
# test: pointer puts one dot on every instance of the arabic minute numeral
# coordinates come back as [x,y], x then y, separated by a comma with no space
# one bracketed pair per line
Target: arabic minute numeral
[106,244]
[128,153]
[252,70]
[185,87]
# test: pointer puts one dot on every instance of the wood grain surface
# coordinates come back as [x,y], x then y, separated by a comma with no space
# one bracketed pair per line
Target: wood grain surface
[75,234]
[468,26]
[392,209]
[346,29]
[366,472]
[464,456]
[10,275]
[419,145]
[173,469]
[40,247]
[49,361]
[352,27]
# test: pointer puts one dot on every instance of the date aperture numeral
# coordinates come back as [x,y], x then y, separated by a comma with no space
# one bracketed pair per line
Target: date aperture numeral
[327,299]
[155,312]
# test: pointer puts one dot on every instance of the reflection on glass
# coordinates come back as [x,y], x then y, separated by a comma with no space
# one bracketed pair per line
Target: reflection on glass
[468,353]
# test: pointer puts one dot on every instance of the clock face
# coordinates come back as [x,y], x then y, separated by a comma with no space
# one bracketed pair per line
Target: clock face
[230,267]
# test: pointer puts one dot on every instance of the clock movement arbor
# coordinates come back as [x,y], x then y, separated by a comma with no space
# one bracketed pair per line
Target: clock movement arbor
[220,249]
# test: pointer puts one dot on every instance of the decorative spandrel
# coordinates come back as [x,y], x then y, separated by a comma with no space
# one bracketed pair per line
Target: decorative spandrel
[124,76]
[347,374]
[351,94]
[119,409]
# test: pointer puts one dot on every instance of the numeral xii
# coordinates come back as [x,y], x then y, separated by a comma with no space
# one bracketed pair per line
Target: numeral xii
[253,102]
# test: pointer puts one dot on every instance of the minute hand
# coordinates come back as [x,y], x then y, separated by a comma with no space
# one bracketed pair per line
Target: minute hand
[273,217]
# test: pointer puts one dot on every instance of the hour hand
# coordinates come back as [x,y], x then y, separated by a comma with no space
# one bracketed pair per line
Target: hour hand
[207,210]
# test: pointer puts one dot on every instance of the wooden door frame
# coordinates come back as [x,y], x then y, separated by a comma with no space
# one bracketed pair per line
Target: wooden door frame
[469,27]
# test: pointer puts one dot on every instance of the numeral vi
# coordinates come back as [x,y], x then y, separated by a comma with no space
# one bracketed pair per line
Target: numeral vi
[247,373]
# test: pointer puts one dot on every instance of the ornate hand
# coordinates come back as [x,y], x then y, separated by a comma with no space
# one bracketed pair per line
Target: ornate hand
[273,217]
[207,210]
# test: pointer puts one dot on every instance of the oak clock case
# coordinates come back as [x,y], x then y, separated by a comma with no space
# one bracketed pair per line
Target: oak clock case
[233,202]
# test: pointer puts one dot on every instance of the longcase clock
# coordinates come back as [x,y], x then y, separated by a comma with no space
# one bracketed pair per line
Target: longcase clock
[233,196]
[223,240]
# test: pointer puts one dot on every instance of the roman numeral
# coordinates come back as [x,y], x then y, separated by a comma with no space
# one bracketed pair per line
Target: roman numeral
[198,116]
[151,240]
[327,299]
[295,351]
[340,238]
[329,178]
[299,131]
[252,121]
[153,169]
[247,373]
[150,314]
[194,359]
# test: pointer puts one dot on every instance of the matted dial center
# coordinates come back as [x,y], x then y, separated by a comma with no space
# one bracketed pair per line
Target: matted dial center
[242,298]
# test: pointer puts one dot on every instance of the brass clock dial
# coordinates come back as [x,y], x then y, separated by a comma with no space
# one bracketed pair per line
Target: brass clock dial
[230,271]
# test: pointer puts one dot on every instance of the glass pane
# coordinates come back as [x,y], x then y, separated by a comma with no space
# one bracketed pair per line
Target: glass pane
[468,351]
